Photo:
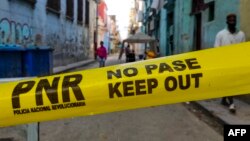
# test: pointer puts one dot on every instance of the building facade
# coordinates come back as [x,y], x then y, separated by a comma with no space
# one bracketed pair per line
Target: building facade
[103,31]
[115,38]
[92,27]
[63,25]
[183,26]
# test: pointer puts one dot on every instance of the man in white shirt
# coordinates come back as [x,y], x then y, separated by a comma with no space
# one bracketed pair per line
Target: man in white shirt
[227,36]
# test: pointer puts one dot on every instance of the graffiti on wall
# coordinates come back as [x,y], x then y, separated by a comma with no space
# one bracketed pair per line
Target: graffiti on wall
[53,41]
[66,49]
[12,32]
[74,47]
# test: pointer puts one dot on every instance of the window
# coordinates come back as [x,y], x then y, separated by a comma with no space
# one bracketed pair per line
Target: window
[33,2]
[80,12]
[54,6]
[29,2]
[198,6]
[70,10]
[211,9]
[87,13]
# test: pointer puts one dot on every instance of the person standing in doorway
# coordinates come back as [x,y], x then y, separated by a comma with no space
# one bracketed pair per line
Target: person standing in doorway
[227,36]
[102,55]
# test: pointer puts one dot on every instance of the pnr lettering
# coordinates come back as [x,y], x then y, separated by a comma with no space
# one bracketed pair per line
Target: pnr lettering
[51,90]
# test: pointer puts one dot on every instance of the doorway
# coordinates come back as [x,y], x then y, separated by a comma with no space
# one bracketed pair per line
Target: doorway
[197,31]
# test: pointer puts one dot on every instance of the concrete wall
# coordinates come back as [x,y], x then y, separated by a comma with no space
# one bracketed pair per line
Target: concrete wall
[245,17]
[15,26]
[244,26]
[164,49]
[20,23]
[183,27]
[91,27]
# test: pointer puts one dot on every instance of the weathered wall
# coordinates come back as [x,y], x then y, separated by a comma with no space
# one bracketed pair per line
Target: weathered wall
[244,26]
[163,41]
[15,26]
[184,23]
[20,23]
[183,27]
[92,27]
[245,17]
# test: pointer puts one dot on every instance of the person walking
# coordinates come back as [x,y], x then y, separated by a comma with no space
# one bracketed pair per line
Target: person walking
[127,52]
[227,36]
[102,55]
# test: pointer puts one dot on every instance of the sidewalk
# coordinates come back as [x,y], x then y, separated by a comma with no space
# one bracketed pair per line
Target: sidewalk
[61,69]
[68,67]
[222,114]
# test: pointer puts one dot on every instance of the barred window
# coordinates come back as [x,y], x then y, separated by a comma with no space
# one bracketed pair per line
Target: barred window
[33,2]
[87,13]
[70,9]
[198,6]
[54,6]
[211,9]
[29,2]
[80,12]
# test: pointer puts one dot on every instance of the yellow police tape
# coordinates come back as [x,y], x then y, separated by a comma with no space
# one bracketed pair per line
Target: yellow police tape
[199,75]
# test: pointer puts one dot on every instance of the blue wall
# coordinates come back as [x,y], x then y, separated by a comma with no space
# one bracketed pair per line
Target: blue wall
[106,42]
[183,27]
[25,24]
[184,23]
[164,50]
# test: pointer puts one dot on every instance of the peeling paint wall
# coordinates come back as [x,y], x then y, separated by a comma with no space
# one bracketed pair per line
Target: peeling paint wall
[22,23]
[183,27]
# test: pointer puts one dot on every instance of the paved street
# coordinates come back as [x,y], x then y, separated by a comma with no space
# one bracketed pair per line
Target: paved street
[170,122]
[205,45]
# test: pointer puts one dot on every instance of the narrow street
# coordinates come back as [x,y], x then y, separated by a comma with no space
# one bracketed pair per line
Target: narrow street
[169,122]
[205,50]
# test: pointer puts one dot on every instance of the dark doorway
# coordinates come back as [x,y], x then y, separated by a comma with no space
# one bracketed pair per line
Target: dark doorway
[197,31]
[170,33]
[95,44]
